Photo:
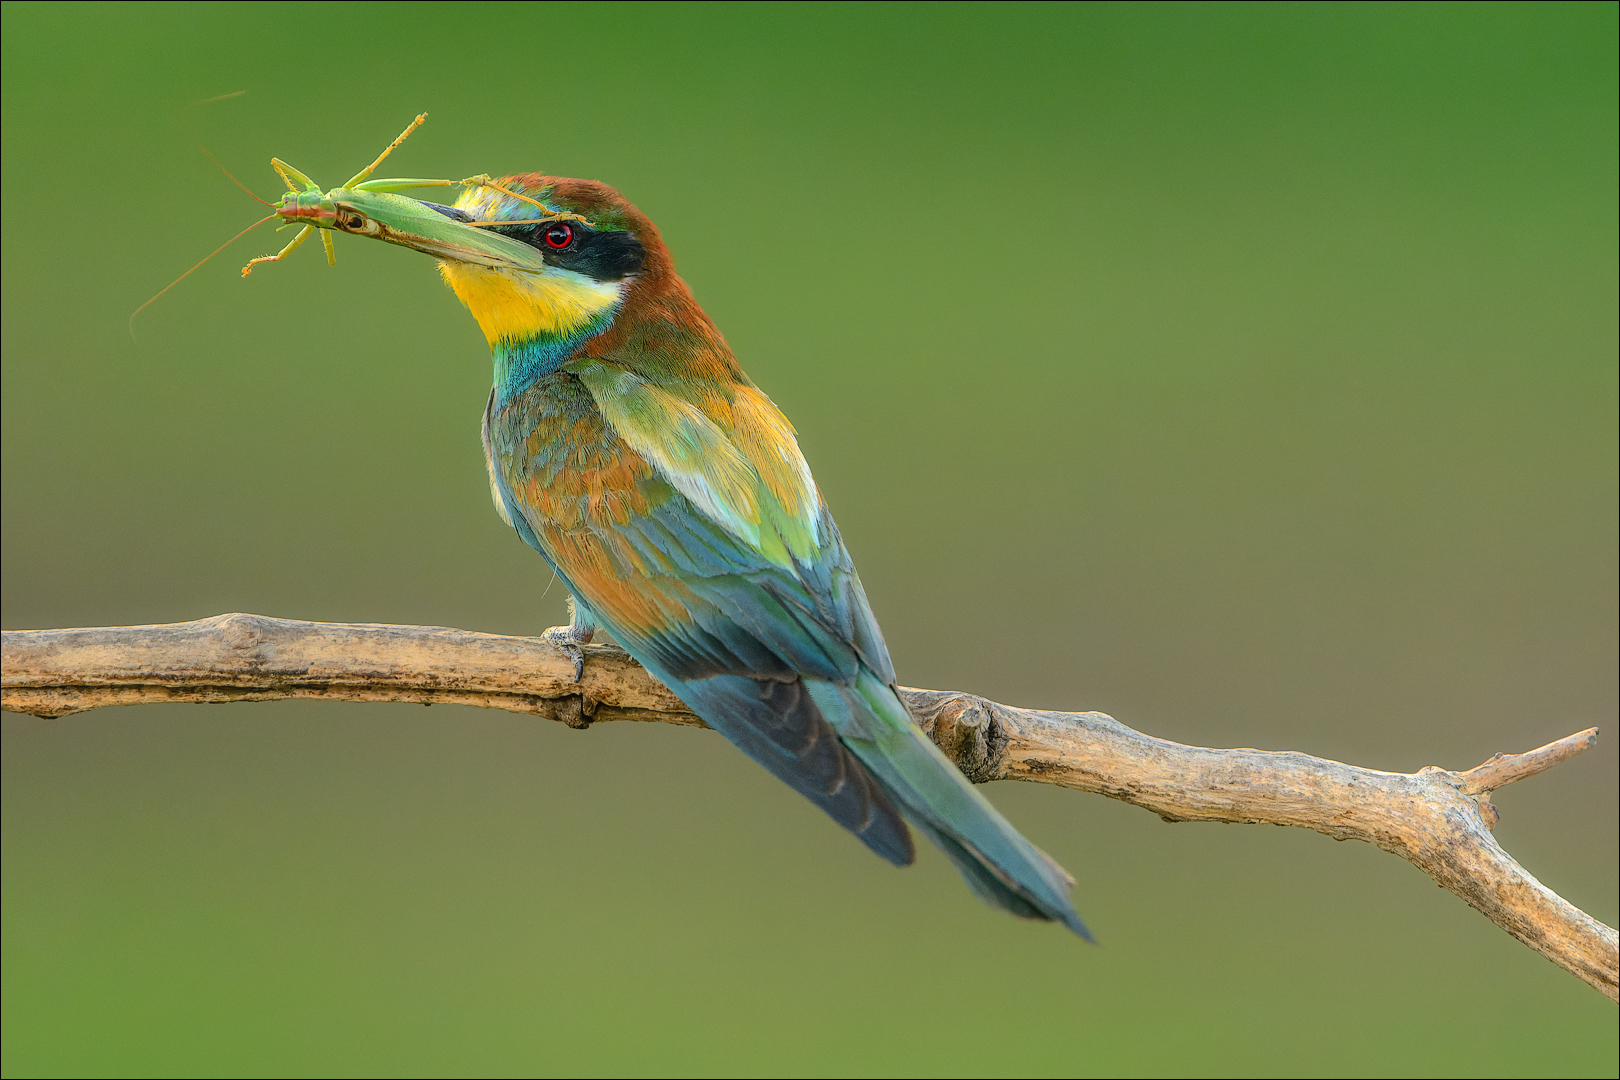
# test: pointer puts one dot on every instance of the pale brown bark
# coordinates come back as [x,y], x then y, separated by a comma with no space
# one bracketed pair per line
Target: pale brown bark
[1438,820]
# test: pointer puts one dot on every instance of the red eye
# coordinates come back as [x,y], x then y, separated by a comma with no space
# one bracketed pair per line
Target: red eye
[559,236]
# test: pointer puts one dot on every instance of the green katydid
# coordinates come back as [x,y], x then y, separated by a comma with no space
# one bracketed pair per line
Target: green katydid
[371,208]
[367,207]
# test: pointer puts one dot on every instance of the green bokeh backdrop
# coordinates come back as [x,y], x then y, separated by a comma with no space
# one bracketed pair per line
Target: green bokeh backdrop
[1245,372]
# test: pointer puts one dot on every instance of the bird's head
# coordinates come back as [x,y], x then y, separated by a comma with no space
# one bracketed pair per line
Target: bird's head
[592,248]
[537,259]
[544,264]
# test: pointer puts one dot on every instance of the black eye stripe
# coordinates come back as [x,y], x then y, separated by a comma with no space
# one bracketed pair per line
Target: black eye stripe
[605,255]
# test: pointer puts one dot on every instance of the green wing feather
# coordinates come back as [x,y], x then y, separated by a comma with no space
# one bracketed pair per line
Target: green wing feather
[731,583]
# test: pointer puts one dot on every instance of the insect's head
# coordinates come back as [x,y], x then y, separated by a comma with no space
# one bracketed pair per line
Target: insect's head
[435,230]
[310,208]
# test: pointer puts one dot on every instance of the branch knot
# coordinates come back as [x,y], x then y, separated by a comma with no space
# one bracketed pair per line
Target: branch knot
[965,727]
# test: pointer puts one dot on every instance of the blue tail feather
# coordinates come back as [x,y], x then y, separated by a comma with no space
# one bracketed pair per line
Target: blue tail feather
[780,727]
[1002,867]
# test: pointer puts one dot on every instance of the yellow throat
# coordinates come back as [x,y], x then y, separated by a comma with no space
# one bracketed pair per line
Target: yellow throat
[511,305]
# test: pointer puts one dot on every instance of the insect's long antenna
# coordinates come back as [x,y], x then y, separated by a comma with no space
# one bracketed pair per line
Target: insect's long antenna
[188,273]
[227,172]
[369,169]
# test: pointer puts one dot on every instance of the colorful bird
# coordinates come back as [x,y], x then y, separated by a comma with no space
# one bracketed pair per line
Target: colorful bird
[668,493]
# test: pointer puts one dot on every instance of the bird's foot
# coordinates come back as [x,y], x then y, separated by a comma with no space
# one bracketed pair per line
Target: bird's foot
[569,639]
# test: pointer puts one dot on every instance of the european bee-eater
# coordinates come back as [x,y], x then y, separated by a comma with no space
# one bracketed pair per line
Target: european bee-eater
[668,493]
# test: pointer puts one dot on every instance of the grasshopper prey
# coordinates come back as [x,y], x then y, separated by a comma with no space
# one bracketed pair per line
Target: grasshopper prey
[372,208]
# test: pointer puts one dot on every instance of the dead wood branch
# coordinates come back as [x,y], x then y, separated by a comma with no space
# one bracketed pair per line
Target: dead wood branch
[1438,820]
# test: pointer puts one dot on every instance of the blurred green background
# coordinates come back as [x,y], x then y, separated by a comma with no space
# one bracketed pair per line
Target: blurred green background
[1246,372]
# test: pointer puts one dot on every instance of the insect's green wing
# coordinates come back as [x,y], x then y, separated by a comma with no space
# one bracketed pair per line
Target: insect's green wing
[397,219]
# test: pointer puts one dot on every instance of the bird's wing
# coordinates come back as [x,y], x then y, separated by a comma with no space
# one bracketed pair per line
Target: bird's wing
[751,535]
[708,554]
[726,627]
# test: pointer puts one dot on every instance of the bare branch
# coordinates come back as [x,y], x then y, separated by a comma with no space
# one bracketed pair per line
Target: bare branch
[1438,820]
[1503,769]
